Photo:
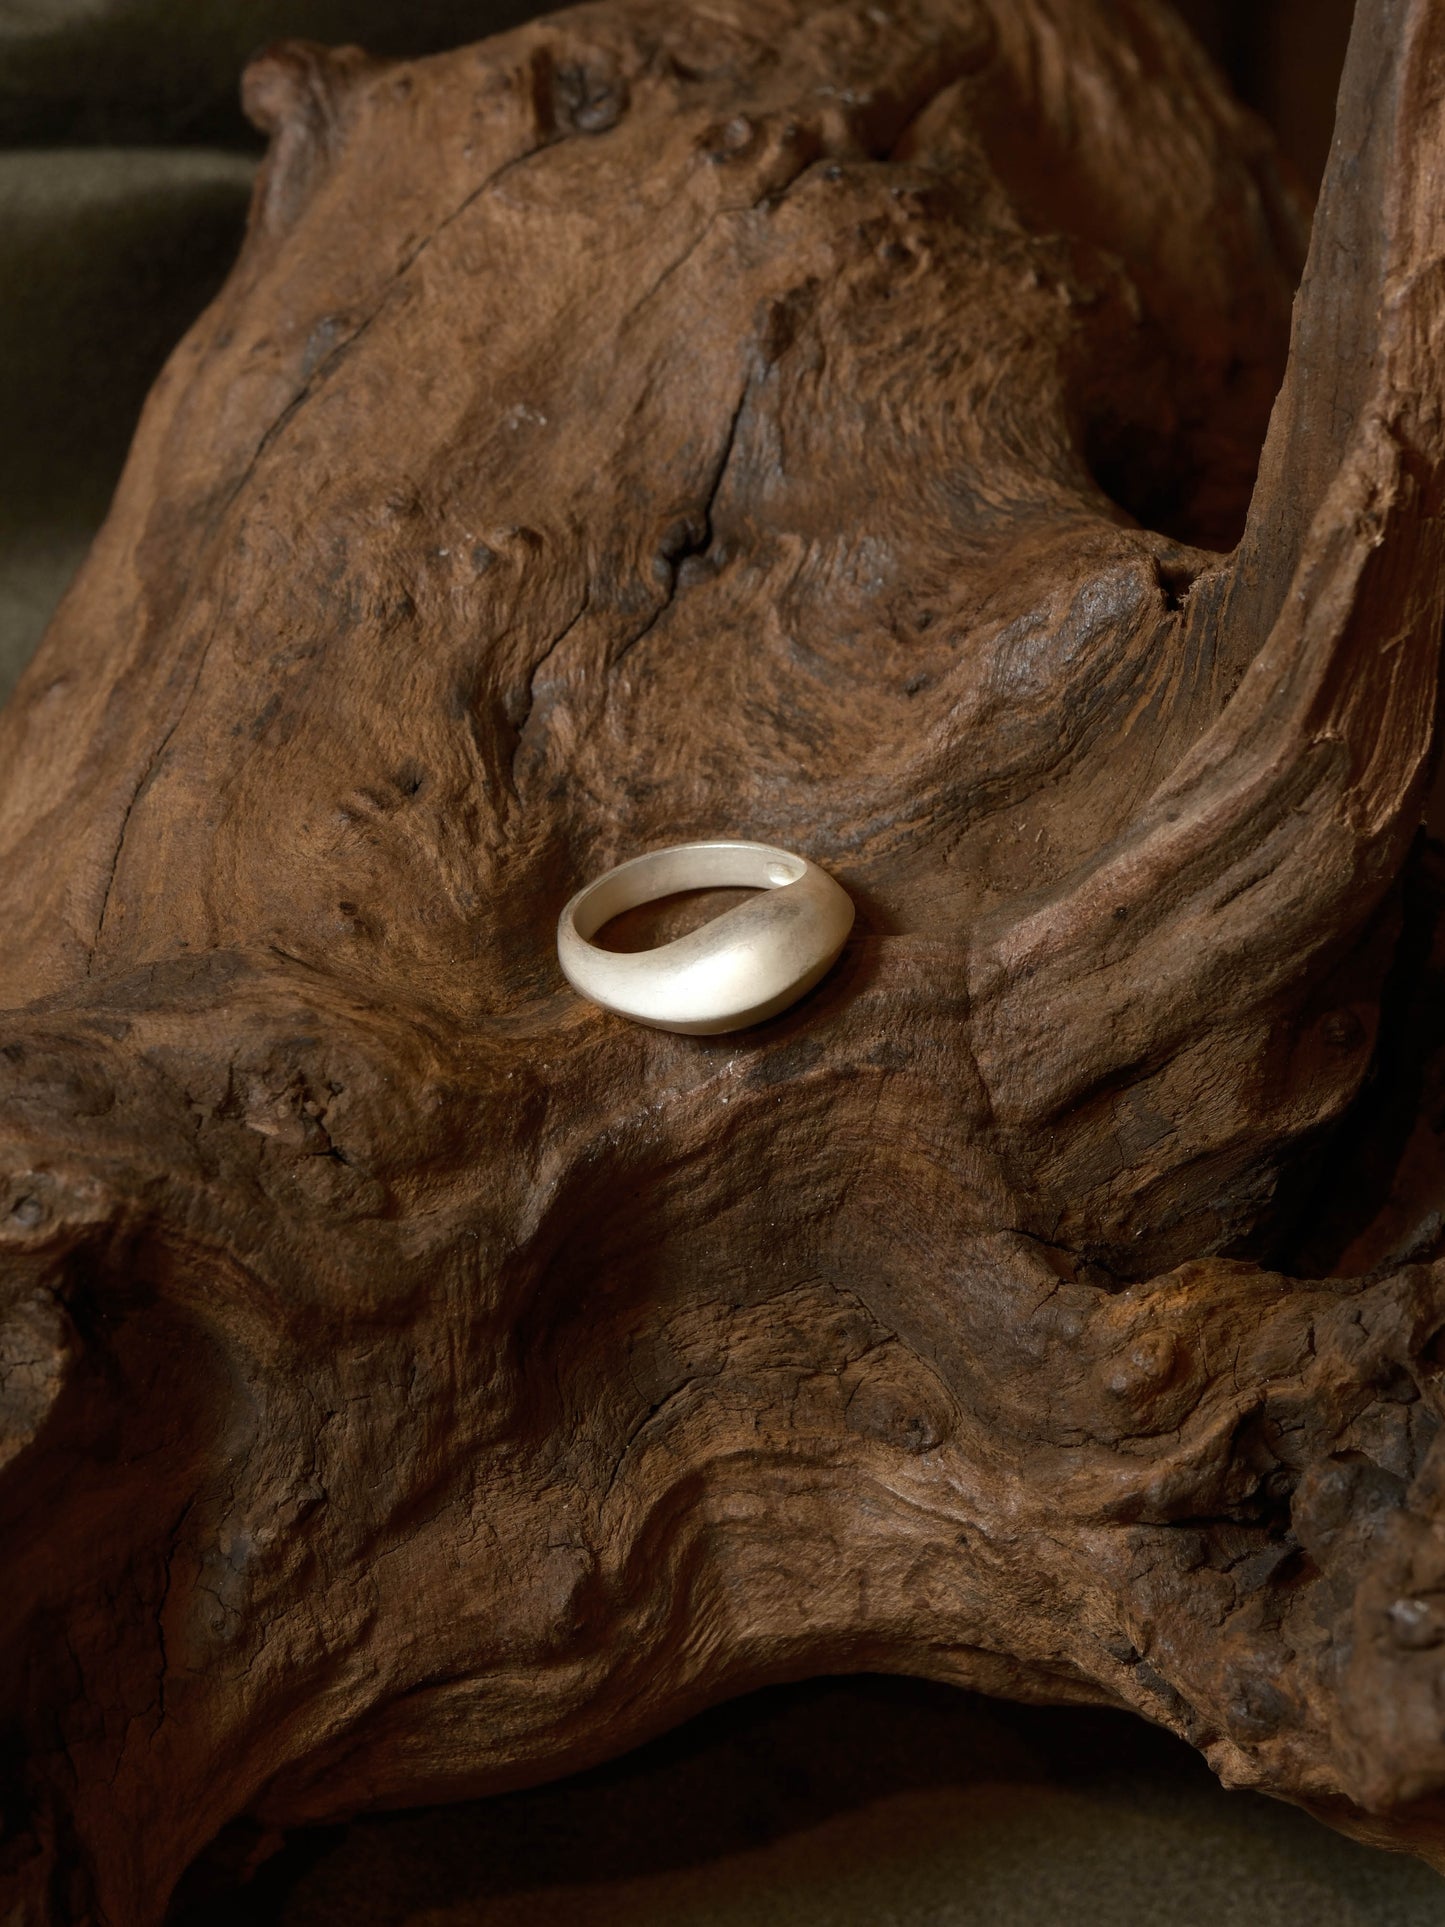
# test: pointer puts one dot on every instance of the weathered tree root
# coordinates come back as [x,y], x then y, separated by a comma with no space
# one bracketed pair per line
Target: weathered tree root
[823,424]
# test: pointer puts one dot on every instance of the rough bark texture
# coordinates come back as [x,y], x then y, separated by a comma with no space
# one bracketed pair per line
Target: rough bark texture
[826,424]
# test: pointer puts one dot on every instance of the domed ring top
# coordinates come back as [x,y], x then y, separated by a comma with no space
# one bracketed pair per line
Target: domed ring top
[749,963]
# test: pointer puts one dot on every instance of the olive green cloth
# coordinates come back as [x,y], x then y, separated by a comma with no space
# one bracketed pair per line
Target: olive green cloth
[882,1804]
[852,1803]
[106,255]
[146,71]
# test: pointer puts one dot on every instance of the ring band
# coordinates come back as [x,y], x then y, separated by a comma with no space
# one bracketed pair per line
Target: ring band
[749,963]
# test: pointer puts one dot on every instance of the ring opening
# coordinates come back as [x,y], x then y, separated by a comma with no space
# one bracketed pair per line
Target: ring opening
[683,868]
[646,926]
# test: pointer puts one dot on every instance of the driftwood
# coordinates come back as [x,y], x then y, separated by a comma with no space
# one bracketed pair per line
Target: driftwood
[834,425]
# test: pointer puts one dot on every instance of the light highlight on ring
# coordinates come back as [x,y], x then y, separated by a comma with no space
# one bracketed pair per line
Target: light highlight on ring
[748,964]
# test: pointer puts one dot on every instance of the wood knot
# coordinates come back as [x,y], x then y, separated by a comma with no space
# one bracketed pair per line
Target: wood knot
[1150,1365]
[1343,1031]
[589,96]
[909,1418]
[730,140]
[1257,1709]
[297,83]
[294,92]
[1416,1623]
[37,1208]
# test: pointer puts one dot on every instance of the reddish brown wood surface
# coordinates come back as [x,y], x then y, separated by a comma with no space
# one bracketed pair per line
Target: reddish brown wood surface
[826,424]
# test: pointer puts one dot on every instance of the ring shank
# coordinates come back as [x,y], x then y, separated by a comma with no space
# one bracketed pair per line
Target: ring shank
[745,965]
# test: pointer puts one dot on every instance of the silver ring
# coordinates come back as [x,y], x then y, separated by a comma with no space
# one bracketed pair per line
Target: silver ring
[749,963]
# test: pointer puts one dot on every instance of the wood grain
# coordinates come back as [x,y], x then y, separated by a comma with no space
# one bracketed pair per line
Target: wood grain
[836,427]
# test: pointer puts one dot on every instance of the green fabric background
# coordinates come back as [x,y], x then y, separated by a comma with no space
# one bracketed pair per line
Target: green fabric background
[124,170]
[852,1803]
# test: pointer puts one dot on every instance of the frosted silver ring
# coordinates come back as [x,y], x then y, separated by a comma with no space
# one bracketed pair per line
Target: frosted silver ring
[749,963]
